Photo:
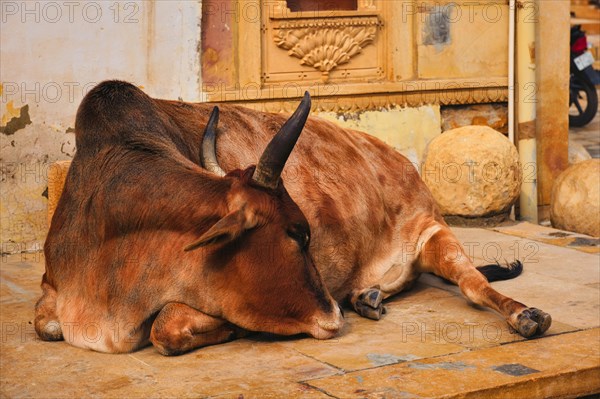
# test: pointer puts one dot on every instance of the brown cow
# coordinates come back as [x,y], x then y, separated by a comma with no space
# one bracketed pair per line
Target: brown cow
[374,226]
[117,274]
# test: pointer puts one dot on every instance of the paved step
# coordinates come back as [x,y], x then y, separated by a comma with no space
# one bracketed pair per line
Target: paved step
[566,365]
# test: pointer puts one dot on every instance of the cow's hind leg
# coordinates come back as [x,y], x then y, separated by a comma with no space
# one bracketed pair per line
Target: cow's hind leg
[443,255]
[179,328]
[46,321]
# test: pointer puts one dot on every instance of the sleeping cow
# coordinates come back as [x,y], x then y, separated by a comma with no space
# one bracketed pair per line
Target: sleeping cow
[165,234]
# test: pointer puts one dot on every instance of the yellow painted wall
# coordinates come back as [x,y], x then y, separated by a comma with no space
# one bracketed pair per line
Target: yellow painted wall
[475,44]
[408,130]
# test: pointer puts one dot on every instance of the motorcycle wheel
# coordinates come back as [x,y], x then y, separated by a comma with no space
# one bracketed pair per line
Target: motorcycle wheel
[583,101]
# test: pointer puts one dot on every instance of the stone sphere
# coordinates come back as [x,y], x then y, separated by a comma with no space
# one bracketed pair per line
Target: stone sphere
[472,171]
[575,201]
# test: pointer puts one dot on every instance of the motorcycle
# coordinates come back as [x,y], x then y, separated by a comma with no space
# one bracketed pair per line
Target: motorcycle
[583,98]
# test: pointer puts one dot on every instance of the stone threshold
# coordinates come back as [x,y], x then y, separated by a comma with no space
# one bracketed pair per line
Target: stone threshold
[559,366]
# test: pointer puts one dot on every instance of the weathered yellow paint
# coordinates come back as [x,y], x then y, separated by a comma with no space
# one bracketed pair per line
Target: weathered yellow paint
[408,130]
[11,112]
[475,42]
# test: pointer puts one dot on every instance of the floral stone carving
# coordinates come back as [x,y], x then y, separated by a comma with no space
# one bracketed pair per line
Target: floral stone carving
[325,44]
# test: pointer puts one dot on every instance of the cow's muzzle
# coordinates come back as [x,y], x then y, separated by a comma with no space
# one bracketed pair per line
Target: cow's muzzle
[328,326]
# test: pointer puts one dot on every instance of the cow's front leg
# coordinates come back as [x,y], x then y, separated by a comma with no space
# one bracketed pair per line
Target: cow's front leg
[368,302]
[444,256]
[179,328]
[46,321]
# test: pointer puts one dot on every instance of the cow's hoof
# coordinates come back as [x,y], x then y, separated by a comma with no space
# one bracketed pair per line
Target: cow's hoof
[369,304]
[532,322]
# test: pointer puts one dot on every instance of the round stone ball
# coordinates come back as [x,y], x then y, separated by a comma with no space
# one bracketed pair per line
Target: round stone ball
[575,201]
[472,171]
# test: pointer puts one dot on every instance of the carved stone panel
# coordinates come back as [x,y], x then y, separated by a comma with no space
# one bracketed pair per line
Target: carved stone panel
[323,49]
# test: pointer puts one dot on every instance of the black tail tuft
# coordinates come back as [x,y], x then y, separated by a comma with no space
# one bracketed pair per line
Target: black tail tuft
[497,272]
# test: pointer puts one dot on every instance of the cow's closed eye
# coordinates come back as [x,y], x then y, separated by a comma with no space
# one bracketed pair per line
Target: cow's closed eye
[300,234]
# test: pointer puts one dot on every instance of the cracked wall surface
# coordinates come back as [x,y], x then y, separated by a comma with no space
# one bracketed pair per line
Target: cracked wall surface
[52,55]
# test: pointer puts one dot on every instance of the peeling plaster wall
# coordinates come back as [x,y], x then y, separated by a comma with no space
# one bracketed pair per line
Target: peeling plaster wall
[52,53]
[408,130]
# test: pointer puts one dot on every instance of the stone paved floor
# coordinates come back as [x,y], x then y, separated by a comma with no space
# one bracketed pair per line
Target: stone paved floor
[431,343]
[589,135]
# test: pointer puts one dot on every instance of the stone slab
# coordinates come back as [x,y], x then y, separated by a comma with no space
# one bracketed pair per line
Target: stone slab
[33,368]
[565,365]
[549,235]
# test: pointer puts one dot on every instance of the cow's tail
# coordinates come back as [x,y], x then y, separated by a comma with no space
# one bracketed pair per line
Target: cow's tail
[497,272]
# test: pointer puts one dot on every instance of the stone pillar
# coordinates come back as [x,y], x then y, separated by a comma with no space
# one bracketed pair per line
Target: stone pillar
[552,128]
[526,98]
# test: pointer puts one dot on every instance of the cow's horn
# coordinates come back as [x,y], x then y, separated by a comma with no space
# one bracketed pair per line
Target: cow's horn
[208,151]
[273,159]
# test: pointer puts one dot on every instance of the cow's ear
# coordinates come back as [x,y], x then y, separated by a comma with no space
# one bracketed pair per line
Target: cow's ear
[225,230]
